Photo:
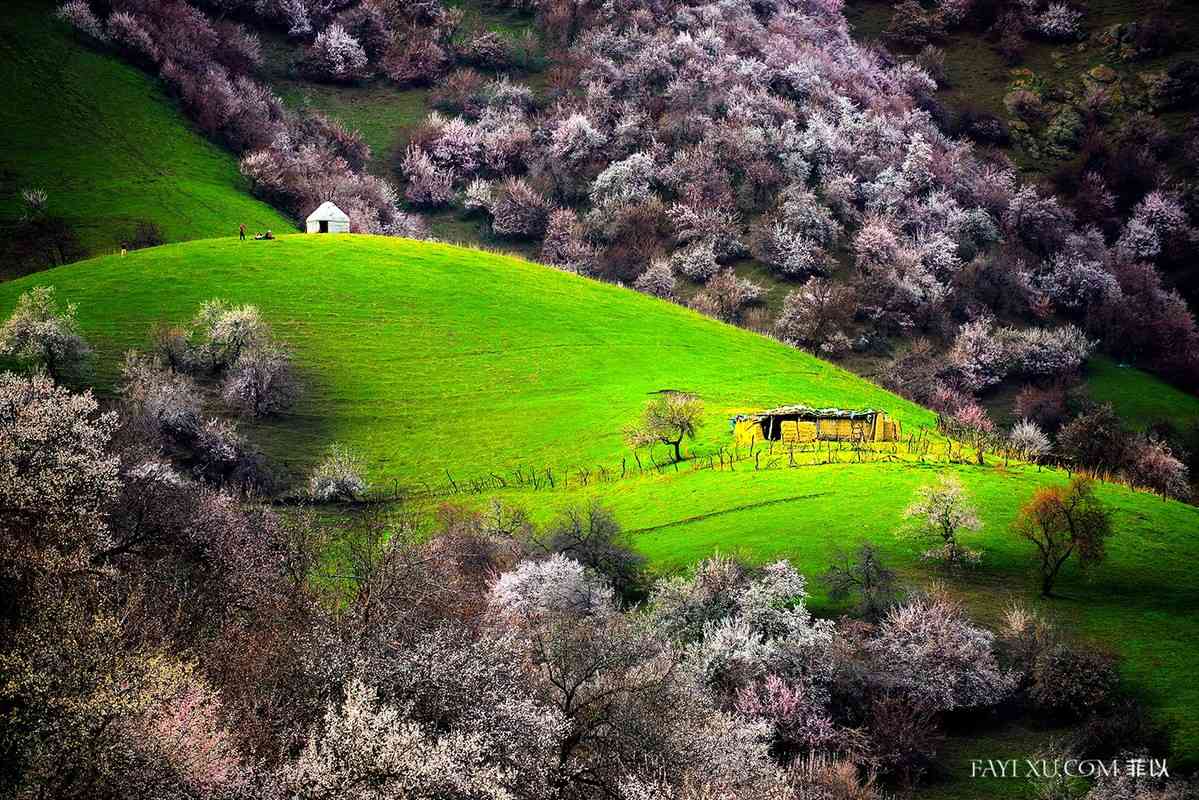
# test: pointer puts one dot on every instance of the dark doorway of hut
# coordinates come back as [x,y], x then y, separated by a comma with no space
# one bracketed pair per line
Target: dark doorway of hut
[324,226]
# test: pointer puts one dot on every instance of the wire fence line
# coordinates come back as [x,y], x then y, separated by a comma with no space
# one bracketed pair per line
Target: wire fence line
[921,447]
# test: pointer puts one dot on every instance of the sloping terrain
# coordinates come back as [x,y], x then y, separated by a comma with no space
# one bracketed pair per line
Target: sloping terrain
[427,358]
[106,144]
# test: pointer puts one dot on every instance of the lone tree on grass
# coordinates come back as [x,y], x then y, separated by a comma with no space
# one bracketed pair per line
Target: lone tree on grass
[1062,521]
[939,513]
[668,418]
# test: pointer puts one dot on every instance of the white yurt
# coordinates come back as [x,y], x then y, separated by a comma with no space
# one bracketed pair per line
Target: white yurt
[328,219]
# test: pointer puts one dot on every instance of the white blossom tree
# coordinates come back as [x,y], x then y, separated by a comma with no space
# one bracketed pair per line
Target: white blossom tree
[940,513]
[40,336]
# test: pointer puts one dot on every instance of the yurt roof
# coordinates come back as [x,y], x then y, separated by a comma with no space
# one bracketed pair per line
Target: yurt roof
[328,211]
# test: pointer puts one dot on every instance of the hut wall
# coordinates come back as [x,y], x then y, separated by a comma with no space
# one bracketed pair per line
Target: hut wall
[748,430]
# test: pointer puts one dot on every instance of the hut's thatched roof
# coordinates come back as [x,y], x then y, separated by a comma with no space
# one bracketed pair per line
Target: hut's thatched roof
[807,412]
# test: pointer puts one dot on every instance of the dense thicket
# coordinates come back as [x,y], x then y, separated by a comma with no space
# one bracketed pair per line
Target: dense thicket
[688,136]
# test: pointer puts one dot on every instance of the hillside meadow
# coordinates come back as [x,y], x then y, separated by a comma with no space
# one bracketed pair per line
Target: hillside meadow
[426,358]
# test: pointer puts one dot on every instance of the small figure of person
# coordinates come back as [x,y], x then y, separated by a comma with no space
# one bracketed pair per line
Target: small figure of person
[241,230]
[124,249]
[258,237]
[269,235]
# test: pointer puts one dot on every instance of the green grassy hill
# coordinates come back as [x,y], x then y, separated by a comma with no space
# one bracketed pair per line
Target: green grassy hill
[1140,398]
[430,357]
[105,142]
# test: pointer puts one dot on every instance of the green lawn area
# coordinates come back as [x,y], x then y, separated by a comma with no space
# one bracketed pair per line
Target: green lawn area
[102,138]
[429,357]
[1138,397]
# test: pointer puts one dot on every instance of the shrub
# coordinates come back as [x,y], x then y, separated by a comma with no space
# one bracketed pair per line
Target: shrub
[128,32]
[696,261]
[488,50]
[368,24]
[338,477]
[797,720]
[1024,637]
[658,280]
[1040,222]
[913,373]
[1151,464]
[223,332]
[789,252]
[1059,22]
[565,245]
[1046,407]
[1122,728]
[1077,283]
[79,14]
[592,537]
[418,56]
[558,585]
[814,315]
[726,296]
[1094,440]
[1046,352]
[932,59]
[40,336]
[912,26]
[261,382]
[335,55]
[1028,441]
[463,91]
[57,475]
[905,736]
[518,210]
[875,245]
[575,140]
[978,359]
[937,658]
[162,403]
[1071,683]
[718,223]
[427,185]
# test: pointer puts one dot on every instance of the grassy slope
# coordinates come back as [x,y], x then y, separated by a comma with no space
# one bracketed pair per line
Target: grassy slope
[1139,397]
[428,356]
[106,143]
